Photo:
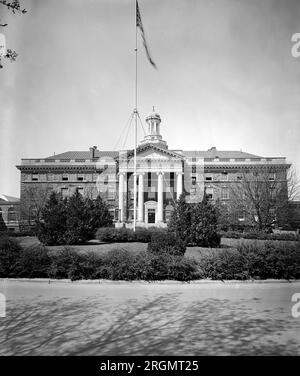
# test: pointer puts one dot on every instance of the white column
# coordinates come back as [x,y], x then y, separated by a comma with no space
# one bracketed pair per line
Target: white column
[141,199]
[159,216]
[121,196]
[179,185]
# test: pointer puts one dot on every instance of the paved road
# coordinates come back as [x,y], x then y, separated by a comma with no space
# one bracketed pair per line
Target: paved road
[66,318]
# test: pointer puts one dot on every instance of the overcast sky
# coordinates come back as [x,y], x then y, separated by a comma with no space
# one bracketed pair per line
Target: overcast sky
[226,77]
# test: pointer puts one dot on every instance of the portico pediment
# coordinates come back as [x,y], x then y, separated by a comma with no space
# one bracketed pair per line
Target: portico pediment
[154,152]
[155,155]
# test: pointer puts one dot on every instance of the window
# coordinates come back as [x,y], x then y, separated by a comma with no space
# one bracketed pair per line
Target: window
[35,177]
[11,215]
[224,194]
[80,177]
[193,169]
[209,193]
[80,190]
[130,215]
[241,215]
[172,175]
[111,195]
[208,178]
[112,213]
[64,192]
[224,176]
[149,179]
[65,177]
[193,180]
[271,177]
[151,195]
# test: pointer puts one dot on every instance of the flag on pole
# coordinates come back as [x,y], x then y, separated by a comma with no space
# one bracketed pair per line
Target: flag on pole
[140,25]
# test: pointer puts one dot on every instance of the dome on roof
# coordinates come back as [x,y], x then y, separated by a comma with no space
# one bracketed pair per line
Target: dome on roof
[153,135]
[153,115]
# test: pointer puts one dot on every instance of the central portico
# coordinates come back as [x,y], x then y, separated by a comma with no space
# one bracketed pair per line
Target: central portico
[159,174]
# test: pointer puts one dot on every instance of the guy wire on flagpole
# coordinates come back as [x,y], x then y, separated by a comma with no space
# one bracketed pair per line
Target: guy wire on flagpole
[135,118]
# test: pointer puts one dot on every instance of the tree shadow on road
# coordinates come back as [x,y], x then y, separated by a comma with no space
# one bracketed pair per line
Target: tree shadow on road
[165,325]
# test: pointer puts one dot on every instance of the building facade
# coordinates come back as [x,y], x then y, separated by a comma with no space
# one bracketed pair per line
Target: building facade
[10,212]
[162,175]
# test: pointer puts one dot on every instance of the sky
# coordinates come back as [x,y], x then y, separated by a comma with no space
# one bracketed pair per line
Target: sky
[225,77]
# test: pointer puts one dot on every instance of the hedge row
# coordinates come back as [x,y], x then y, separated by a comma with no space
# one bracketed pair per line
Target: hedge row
[253,261]
[38,262]
[259,235]
[123,234]
[257,261]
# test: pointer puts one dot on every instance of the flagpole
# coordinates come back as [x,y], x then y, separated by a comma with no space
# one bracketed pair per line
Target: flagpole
[135,125]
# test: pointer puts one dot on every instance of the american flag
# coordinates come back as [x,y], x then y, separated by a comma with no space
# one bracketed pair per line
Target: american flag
[140,25]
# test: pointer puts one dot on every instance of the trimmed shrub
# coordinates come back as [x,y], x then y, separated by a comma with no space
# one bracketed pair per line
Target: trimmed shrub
[170,267]
[257,261]
[258,235]
[34,262]
[10,251]
[123,265]
[166,242]
[123,234]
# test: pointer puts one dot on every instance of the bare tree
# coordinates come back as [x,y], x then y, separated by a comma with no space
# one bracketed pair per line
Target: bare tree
[261,195]
[33,199]
[293,184]
[15,7]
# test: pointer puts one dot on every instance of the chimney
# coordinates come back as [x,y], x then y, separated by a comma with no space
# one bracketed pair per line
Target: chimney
[92,150]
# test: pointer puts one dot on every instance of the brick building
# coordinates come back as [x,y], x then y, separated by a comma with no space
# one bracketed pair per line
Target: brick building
[162,175]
